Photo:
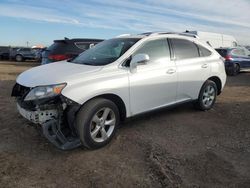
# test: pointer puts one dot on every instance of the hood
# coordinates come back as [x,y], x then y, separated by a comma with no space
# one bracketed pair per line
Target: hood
[55,73]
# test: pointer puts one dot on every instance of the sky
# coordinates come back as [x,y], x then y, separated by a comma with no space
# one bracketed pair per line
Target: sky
[42,21]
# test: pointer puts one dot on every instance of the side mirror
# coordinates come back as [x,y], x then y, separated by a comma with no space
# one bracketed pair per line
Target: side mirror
[137,60]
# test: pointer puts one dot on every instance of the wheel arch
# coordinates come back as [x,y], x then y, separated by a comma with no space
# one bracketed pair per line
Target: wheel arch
[238,63]
[115,99]
[18,54]
[218,83]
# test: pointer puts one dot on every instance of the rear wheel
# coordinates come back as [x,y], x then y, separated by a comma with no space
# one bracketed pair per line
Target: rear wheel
[97,122]
[19,58]
[236,69]
[207,96]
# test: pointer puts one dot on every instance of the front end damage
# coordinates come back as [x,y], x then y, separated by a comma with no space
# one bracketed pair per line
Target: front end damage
[55,115]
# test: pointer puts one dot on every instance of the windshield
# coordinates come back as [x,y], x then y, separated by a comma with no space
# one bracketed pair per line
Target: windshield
[105,52]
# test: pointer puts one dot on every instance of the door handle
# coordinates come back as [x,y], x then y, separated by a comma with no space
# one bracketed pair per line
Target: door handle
[204,65]
[171,71]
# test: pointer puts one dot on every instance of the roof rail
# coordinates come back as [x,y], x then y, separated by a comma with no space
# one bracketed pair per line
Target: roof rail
[189,35]
[153,33]
[147,33]
[123,35]
[162,33]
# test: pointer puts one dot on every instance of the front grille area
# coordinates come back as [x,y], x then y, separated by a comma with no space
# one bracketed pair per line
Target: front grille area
[19,91]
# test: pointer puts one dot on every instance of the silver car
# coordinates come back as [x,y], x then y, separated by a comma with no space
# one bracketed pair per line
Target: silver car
[82,102]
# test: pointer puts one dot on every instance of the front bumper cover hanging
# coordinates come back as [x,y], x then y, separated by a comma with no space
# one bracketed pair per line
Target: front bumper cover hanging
[52,131]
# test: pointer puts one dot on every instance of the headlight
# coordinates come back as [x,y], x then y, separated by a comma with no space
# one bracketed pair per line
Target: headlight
[41,92]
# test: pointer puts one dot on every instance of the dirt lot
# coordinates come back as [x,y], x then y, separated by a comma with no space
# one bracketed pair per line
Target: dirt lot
[178,147]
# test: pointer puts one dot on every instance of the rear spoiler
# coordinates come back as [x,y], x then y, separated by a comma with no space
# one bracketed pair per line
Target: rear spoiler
[62,40]
[65,40]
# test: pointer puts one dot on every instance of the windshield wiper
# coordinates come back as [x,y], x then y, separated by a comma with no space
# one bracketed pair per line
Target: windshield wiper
[79,62]
[87,63]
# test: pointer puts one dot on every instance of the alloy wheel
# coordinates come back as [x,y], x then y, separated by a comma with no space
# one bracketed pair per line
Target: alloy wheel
[19,58]
[208,96]
[102,124]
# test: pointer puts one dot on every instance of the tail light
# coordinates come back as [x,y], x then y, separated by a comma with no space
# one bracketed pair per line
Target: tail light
[228,58]
[58,57]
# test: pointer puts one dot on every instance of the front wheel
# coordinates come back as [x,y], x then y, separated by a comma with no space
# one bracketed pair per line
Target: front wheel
[19,58]
[96,122]
[207,96]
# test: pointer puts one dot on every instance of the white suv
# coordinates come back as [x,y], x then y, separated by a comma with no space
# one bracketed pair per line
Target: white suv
[81,102]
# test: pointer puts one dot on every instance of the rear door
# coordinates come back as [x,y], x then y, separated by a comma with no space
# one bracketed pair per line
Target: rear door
[239,57]
[27,53]
[192,68]
[246,59]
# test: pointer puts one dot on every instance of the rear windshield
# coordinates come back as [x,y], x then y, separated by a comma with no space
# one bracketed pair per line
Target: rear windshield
[105,52]
[57,47]
[222,52]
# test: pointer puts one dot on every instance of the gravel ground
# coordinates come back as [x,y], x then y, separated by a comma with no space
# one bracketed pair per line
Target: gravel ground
[178,147]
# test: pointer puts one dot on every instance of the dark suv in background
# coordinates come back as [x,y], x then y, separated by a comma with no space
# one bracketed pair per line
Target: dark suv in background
[236,59]
[67,49]
[4,52]
[22,54]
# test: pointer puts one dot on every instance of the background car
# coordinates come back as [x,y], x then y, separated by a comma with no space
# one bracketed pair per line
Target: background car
[22,54]
[4,52]
[236,59]
[4,55]
[66,49]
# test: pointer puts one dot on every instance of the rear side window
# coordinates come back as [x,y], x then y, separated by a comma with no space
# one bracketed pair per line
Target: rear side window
[203,51]
[62,47]
[184,49]
[222,52]
[24,49]
[238,52]
[57,47]
[242,52]
[155,49]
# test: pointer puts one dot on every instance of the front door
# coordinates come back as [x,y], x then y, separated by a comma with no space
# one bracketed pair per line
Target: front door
[153,84]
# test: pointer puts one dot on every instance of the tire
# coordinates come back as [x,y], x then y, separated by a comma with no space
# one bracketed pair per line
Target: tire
[91,119]
[236,69]
[207,96]
[19,58]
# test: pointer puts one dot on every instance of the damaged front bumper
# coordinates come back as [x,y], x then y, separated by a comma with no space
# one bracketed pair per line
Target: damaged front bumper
[56,117]
[39,116]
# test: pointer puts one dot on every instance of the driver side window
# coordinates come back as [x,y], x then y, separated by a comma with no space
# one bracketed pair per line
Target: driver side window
[155,49]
